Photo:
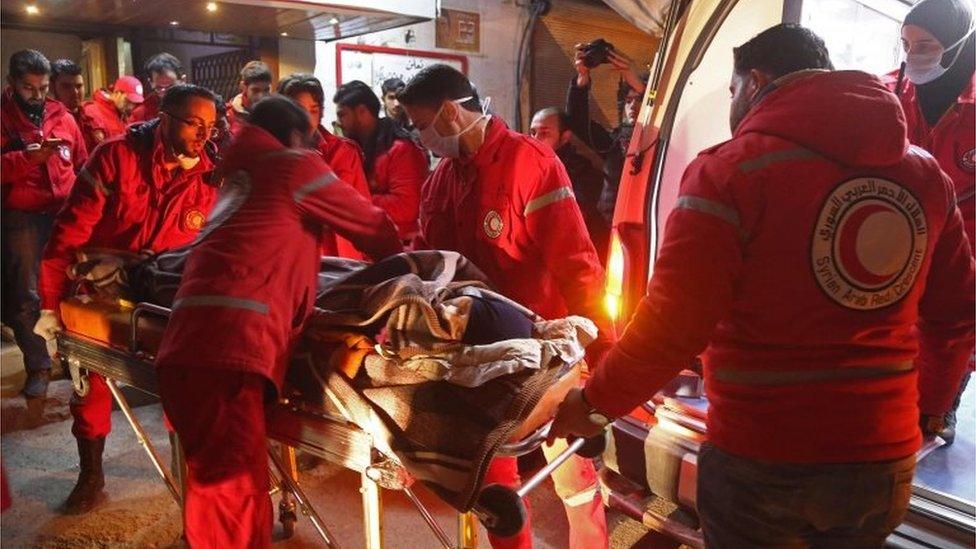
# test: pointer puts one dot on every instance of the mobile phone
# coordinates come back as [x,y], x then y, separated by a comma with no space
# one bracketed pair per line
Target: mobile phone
[55,142]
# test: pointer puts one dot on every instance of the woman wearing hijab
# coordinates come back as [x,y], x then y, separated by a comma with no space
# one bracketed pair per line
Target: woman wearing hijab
[936,87]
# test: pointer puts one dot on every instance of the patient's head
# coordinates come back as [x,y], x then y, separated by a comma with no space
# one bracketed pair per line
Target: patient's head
[492,320]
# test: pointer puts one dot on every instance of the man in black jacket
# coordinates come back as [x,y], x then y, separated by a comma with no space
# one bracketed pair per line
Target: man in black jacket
[551,126]
[609,144]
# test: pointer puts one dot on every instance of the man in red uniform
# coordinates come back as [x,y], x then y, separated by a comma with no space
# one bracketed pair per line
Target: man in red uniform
[146,190]
[42,149]
[105,115]
[937,89]
[504,201]
[810,264]
[163,70]
[68,86]
[395,166]
[341,154]
[238,312]
[255,85]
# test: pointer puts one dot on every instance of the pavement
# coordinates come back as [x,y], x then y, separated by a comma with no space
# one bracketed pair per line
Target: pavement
[40,461]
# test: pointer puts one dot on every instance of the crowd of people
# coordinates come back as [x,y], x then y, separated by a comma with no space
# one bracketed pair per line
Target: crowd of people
[785,321]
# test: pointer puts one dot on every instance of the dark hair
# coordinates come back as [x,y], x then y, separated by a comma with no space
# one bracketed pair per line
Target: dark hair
[561,115]
[438,83]
[356,93]
[221,106]
[781,50]
[392,84]
[177,96]
[255,71]
[280,116]
[297,83]
[26,62]
[162,62]
[64,67]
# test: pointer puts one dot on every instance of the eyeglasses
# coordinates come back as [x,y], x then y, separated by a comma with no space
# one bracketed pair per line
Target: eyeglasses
[199,125]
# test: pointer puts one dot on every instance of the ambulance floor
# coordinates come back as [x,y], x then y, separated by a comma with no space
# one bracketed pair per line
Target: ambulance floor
[950,469]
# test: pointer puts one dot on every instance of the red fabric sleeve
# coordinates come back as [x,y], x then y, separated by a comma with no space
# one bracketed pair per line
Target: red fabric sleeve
[347,162]
[14,165]
[946,323]
[74,225]
[79,152]
[406,171]
[332,202]
[690,291]
[551,209]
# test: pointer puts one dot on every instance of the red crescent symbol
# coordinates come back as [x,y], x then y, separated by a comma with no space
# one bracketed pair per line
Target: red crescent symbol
[847,247]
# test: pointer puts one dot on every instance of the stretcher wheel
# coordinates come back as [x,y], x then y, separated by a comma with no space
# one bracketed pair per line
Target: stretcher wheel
[501,510]
[593,446]
[288,525]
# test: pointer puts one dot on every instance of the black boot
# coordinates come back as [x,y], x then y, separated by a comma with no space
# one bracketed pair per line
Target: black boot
[948,433]
[87,493]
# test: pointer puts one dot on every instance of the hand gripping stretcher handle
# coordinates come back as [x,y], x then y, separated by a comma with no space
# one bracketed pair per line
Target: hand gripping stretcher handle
[501,509]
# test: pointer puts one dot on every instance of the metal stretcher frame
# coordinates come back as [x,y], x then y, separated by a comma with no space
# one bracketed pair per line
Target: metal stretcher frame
[323,435]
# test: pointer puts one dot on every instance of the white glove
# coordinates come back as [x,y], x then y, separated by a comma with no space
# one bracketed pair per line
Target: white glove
[48,324]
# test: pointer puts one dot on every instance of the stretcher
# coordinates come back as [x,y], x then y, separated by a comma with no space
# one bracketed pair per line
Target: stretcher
[117,340]
[651,464]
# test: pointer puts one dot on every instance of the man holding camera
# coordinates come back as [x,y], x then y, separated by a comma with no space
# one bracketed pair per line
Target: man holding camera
[42,149]
[611,145]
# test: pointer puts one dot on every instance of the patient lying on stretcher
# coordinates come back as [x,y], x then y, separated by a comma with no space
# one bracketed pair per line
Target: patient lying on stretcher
[452,369]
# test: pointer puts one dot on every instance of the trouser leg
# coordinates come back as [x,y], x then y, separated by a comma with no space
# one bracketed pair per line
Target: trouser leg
[24,235]
[219,416]
[577,486]
[504,471]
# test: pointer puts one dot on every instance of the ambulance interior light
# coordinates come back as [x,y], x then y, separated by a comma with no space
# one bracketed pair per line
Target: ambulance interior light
[614,288]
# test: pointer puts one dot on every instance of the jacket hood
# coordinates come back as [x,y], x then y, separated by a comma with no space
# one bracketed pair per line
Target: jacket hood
[251,143]
[846,116]
[142,134]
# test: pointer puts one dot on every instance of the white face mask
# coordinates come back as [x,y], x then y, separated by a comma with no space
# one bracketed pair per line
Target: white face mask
[926,67]
[448,146]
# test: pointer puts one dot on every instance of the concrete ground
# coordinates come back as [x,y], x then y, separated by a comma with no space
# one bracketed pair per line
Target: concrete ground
[40,460]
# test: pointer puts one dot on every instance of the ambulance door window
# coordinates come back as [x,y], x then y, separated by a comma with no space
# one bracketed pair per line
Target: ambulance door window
[860,34]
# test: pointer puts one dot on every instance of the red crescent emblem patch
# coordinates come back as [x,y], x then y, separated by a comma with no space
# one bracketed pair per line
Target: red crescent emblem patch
[869,243]
[193,219]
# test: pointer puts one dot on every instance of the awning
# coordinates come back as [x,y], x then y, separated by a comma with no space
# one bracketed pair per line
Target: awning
[303,19]
[647,15]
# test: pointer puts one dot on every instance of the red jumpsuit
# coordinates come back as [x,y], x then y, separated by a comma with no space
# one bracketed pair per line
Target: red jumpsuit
[810,264]
[510,209]
[398,174]
[345,158]
[148,110]
[235,318]
[100,120]
[38,188]
[125,199]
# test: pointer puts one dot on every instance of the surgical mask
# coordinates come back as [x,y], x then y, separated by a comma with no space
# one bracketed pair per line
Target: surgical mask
[448,146]
[926,67]
[187,162]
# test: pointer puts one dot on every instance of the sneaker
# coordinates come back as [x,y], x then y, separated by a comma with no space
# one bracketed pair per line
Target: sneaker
[36,384]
